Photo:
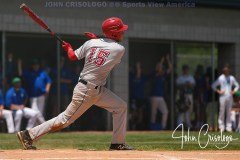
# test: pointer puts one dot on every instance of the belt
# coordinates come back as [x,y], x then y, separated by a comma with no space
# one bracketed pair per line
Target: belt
[85,83]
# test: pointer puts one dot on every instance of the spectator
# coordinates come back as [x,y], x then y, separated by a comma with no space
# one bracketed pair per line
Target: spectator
[228,86]
[16,99]
[157,96]
[199,97]
[38,85]
[7,115]
[185,84]
[137,83]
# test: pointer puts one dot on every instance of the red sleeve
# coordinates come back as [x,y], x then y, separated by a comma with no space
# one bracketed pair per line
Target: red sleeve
[68,48]
[71,55]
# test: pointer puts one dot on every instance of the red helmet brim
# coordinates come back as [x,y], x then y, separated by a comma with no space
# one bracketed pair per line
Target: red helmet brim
[124,28]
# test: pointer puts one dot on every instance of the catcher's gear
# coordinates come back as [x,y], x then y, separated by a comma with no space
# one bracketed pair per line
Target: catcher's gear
[113,28]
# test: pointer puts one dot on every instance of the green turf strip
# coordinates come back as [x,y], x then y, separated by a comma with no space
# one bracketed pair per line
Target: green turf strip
[101,140]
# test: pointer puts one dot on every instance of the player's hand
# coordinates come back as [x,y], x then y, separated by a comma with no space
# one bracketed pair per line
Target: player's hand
[90,35]
[21,107]
[220,92]
[233,92]
[66,46]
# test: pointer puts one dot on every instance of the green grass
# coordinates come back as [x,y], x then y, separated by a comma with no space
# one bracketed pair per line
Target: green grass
[101,140]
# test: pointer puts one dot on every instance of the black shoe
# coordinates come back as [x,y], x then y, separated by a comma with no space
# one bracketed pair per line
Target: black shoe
[26,140]
[120,147]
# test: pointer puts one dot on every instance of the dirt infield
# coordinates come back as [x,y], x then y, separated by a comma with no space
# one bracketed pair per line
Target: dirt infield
[118,155]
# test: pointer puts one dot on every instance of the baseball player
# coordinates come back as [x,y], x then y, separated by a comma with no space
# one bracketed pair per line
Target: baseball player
[186,84]
[16,98]
[38,86]
[7,115]
[101,55]
[228,87]
[157,95]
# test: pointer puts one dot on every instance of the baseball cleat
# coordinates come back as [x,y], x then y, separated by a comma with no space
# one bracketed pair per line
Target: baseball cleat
[26,140]
[120,147]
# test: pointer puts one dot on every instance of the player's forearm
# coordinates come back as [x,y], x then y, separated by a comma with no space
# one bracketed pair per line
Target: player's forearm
[71,55]
[19,68]
[48,86]
[15,107]
[236,88]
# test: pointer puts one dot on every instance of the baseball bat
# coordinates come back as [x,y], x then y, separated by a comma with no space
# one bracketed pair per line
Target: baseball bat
[39,21]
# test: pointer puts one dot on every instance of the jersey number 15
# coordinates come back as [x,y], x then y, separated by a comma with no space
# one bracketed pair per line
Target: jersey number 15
[100,58]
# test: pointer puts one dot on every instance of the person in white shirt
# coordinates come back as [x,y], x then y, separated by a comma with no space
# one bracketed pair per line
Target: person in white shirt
[226,85]
[185,84]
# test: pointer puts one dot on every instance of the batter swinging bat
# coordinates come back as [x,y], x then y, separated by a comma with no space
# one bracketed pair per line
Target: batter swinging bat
[39,21]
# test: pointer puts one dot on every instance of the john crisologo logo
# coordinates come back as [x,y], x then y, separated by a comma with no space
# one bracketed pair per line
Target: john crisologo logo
[204,138]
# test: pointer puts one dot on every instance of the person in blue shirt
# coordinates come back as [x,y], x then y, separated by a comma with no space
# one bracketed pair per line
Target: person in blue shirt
[137,83]
[7,115]
[38,85]
[157,96]
[16,98]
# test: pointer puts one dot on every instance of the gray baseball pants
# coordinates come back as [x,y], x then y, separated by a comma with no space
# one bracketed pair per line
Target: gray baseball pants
[226,103]
[84,96]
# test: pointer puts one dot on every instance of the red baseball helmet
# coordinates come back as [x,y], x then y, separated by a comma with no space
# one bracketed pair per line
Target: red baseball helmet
[113,28]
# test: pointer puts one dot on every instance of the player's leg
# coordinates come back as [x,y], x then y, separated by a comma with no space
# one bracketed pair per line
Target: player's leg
[189,111]
[180,118]
[221,117]
[233,119]
[83,98]
[41,103]
[154,107]
[229,104]
[114,104]
[9,120]
[18,119]
[34,105]
[164,110]
[31,115]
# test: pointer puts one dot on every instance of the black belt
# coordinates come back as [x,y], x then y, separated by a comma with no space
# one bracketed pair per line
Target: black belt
[85,82]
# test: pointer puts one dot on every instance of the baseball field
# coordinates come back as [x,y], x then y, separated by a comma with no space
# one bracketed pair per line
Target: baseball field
[149,145]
